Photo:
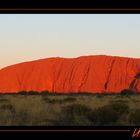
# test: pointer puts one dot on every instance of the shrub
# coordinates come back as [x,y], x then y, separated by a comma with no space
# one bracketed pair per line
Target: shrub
[28,93]
[7,107]
[103,116]
[52,101]
[127,92]
[8,113]
[134,117]
[22,93]
[4,100]
[60,101]
[75,114]
[23,118]
[120,107]
[45,92]
[33,93]
[69,99]
[108,114]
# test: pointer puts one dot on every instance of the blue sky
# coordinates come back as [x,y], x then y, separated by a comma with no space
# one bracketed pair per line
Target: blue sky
[25,37]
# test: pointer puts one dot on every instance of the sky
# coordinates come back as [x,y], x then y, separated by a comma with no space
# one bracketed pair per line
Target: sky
[27,37]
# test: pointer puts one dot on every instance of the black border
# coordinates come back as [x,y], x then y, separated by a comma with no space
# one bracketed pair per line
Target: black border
[65,7]
[69,11]
[67,132]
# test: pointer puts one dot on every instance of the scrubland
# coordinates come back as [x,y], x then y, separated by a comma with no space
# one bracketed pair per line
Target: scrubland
[84,109]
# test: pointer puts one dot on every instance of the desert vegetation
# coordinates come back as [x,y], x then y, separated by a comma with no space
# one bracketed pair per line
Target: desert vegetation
[56,109]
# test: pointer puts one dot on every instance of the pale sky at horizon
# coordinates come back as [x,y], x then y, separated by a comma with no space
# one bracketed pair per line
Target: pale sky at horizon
[27,37]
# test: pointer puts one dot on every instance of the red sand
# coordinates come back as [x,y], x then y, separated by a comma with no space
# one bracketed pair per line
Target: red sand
[83,74]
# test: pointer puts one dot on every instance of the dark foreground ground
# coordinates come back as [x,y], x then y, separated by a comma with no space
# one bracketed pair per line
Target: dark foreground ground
[79,109]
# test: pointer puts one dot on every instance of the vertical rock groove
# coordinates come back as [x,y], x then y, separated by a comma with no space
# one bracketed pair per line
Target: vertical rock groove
[109,75]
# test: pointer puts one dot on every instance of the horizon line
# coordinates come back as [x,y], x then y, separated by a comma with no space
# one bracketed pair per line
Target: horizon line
[117,56]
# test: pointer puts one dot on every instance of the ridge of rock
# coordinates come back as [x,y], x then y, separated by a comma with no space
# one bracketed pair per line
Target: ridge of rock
[99,73]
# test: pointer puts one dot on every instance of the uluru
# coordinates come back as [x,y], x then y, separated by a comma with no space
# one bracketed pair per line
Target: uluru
[93,74]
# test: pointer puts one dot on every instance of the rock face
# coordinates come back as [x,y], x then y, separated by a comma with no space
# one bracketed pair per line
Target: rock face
[83,74]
